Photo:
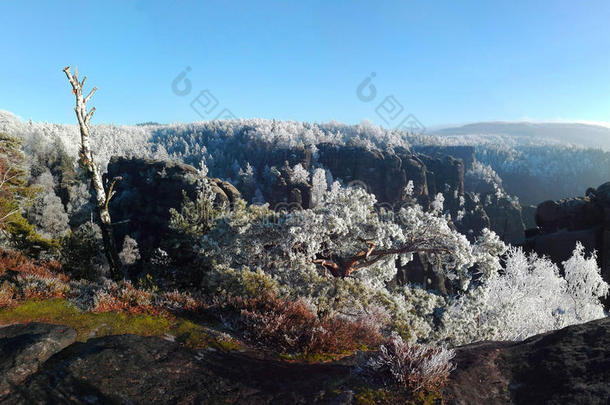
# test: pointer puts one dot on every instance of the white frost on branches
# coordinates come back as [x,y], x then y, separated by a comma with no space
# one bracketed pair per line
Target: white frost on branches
[528,296]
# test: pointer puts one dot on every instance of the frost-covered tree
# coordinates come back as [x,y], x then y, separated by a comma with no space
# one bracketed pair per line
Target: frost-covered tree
[13,186]
[46,212]
[318,186]
[130,252]
[299,174]
[344,234]
[528,296]
[341,254]
[48,215]
[15,196]
[585,284]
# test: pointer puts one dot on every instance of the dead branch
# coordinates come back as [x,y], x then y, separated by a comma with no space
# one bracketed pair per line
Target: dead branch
[344,267]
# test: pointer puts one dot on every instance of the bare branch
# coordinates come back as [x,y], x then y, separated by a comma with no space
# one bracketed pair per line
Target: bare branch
[6,179]
[86,156]
[111,193]
[70,78]
[344,267]
[91,93]
[89,115]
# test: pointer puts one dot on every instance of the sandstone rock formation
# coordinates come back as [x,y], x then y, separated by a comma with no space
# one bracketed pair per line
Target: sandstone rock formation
[130,369]
[561,224]
[147,191]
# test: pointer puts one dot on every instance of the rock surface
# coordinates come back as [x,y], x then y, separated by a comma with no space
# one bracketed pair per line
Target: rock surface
[24,347]
[568,366]
[131,369]
[561,224]
[147,191]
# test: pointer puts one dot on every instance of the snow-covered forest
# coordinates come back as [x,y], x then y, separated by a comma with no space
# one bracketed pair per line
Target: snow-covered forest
[533,169]
[336,261]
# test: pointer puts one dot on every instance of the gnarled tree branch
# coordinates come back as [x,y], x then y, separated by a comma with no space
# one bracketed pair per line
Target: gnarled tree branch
[344,267]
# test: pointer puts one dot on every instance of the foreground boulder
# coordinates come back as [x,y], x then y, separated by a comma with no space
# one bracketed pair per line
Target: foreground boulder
[23,348]
[568,366]
[147,370]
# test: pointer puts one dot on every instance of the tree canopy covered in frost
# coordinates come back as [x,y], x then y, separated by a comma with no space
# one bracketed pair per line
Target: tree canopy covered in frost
[491,301]
[222,143]
[526,297]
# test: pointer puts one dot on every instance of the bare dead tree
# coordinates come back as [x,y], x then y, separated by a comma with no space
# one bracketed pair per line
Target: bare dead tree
[102,197]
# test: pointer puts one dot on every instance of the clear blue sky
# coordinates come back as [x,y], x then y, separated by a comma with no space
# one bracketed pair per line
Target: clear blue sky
[445,62]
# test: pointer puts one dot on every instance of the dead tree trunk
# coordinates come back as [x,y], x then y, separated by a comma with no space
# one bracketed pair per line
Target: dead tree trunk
[86,160]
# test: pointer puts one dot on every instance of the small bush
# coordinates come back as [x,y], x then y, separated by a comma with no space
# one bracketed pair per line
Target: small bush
[123,297]
[414,366]
[81,252]
[18,262]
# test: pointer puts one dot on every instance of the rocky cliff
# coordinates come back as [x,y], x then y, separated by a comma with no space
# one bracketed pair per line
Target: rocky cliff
[147,191]
[561,224]
[386,173]
[568,366]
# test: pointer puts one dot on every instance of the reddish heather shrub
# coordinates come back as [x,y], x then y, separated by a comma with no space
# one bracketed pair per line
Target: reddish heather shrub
[16,261]
[103,301]
[293,327]
[7,295]
[179,301]
[124,297]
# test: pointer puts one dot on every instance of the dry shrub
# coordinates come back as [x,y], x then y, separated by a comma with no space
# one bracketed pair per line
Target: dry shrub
[105,302]
[124,297]
[415,366]
[37,287]
[293,327]
[27,279]
[18,262]
[178,301]
[7,295]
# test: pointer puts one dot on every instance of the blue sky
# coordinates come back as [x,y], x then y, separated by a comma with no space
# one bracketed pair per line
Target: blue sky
[444,62]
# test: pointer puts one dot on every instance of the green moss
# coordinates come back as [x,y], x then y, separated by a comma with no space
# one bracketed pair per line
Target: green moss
[194,335]
[88,325]
[369,396]
[429,398]
[314,357]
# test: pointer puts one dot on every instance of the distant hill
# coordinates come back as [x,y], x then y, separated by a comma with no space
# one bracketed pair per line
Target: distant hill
[587,135]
